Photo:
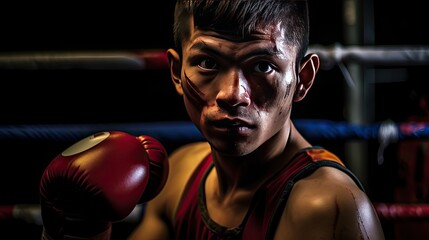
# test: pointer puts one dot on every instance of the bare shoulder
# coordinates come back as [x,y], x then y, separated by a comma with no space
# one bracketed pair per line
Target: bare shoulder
[329,202]
[183,162]
[194,151]
[159,212]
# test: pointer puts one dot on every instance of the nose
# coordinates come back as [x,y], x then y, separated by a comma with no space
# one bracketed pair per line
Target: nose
[234,90]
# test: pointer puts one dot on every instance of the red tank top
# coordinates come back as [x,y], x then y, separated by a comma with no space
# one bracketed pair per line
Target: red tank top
[192,219]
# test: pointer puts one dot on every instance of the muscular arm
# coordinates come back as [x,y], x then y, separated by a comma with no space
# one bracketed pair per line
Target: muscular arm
[153,226]
[159,213]
[328,205]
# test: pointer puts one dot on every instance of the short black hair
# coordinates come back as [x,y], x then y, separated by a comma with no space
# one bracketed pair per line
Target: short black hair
[241,17]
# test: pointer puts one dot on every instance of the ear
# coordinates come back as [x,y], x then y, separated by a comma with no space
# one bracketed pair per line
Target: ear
[308,69]
[175,69]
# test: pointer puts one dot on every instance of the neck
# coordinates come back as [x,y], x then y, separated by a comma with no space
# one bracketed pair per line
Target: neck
[252,170]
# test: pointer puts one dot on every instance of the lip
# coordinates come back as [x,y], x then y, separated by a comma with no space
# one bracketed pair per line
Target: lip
[232,125]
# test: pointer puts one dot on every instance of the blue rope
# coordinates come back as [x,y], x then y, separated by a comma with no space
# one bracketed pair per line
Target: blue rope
[172,131]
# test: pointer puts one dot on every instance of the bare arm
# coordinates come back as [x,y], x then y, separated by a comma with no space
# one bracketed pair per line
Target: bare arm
[159,214]
[328,205]
[153,225]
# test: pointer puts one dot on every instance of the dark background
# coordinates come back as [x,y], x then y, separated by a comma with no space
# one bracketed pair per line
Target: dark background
[123,96]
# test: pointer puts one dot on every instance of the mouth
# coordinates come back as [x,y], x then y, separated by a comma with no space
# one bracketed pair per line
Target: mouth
[232,125]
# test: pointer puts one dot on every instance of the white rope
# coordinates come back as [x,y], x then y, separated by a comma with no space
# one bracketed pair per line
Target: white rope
[330,56]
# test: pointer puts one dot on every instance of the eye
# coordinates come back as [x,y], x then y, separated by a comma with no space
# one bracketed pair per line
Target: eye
[263,67]
[208,64]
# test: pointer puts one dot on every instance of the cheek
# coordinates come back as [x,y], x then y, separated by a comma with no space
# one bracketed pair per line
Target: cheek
[279,108]
[273,95]
[192,111]
[285,100]
[192,92]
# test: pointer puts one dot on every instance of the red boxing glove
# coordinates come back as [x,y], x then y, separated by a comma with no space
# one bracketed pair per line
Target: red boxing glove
[97,181]
[158,167]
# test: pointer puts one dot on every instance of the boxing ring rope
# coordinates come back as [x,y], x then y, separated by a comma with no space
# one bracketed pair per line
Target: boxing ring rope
[87,60]
[157,58]
[402,211]
[31,213]
[384,132]
[182,131]
[313,129]
[372,55]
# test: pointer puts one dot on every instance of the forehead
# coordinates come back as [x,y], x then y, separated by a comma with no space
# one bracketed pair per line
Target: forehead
[235,27]
[267,41]
[271,33]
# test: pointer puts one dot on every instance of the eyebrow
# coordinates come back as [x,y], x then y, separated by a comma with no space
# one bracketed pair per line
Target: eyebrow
[265,51]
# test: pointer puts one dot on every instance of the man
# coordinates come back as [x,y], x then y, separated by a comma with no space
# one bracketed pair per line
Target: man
[240,65]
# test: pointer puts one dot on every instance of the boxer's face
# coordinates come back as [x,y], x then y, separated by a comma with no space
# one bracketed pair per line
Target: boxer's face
[238,91]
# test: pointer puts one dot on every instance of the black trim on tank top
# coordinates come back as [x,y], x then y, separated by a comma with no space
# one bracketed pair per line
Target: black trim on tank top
[224,232]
